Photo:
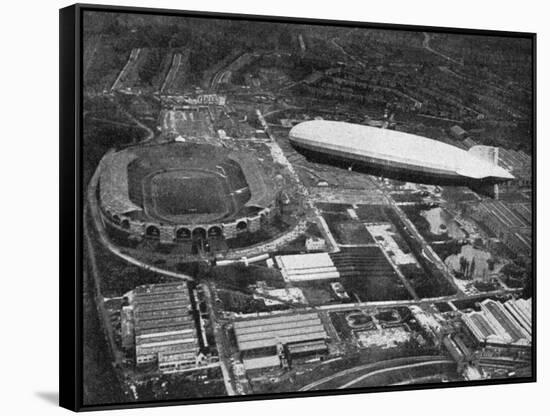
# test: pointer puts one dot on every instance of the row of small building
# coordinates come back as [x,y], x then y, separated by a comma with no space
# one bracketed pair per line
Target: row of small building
[501,323]
[159,326]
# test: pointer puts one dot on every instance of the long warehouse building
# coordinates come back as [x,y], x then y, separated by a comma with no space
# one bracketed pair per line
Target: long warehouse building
[262,341]
[501,323]
[161,322]
[305,267]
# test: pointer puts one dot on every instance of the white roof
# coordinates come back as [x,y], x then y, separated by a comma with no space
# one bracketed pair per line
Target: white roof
[312,266]
[305,261]
[261,362]
[394,146]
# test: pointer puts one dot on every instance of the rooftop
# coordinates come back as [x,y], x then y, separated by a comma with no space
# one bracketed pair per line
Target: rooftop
[312,266]
[284,329]
[162,319]
[506,214]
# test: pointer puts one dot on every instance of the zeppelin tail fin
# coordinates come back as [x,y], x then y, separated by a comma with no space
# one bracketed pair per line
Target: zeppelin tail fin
[488,164]
[486,153]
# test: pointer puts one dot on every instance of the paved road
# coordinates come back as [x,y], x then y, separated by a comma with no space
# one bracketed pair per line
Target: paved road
[171,75]
[427,250]
[134,55]
[373,366]
[399,367]
[93,207]
[279,156]
[426,45]
[117,355]
[221,342]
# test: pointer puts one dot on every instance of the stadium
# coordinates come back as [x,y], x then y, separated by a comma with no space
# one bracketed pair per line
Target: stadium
[184,191]
[396,154]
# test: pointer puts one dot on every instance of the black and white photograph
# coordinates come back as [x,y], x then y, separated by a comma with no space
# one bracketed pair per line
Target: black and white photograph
[276,207]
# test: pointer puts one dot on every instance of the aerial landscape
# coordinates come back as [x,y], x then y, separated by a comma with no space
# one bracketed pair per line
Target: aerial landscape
[287,207]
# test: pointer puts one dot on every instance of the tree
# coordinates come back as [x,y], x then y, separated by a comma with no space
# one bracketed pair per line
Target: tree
[472,268]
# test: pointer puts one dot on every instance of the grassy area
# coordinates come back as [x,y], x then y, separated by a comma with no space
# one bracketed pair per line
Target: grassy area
[182,386]
[104,128]
[239,277]
[240,302]
[436,372]
[100,380]
[331,207]
[318,292]
[372,213]
[176,194]
[346,230]
[447,249]
[351,233]
[407,197]
[413,212]
[118,276]
[429,281]
[422,283]
[367,274]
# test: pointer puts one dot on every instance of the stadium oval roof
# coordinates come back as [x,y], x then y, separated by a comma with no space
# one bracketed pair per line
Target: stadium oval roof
[390,146]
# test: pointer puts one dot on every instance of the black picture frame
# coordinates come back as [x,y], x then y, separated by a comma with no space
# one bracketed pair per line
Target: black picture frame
[72,194]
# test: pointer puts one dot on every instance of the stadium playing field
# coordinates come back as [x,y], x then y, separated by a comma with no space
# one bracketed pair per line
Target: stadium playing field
[188,194]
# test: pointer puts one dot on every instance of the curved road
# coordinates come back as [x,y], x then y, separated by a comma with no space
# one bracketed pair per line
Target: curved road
[400,367]
[92,205]
[390,365]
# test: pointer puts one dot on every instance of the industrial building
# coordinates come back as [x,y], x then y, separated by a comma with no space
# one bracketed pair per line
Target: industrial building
[304,267]
[497,311]
[511,223]
[162,323]
[496,324]
[519,163]
[482,330]
[268,341]
[520,309]
[458,132]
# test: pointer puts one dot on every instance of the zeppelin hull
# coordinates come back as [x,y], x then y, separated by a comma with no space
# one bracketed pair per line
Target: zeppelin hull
[380,167]
[394,153]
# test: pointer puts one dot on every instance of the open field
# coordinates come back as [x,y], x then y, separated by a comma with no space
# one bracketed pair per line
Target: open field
[346,230]
[368,276]
[175,194]
[187,196]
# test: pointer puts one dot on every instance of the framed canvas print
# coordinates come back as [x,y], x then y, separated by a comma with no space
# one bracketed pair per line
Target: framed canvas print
[258,207]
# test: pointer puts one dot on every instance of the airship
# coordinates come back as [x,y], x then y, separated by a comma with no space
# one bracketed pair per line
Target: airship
[396,154]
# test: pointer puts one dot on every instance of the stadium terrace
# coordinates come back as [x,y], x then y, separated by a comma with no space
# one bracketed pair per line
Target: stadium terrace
[180,191]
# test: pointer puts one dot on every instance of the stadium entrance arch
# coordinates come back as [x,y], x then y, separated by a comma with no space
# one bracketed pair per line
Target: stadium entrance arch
[199,233]
[152,231]
[242,226]
[183,234]
[215,232]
